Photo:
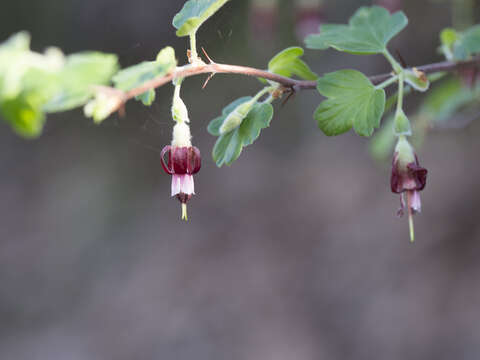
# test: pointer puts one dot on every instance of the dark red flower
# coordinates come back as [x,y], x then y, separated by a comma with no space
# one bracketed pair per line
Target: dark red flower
[183,162]
[408,178]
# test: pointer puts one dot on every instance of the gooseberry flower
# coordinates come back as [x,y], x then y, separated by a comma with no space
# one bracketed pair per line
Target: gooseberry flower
[184,160]
[408,178]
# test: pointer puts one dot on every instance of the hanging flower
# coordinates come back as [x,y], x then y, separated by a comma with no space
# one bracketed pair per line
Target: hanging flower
[408,178]
[184,160]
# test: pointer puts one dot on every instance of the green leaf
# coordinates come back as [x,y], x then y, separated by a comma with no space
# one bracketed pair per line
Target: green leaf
[147,98]
[24,114]
[368,32]
[76,80]
[139,74]
[352,100]
[448,37]
[229,145]
[467,44]
[288,63]
[193,14]
[27,80]
[16,61]
[105,102]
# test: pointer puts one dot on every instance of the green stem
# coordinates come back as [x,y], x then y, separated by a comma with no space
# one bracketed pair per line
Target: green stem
[392,100]
[387,82]
[401,78]
[262,92]
[269,99]
[179,110]
[176,92]
[395,65]
[193,48]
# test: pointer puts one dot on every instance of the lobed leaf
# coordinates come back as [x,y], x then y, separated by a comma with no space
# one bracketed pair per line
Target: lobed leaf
[193,14]
[352,100]
[368,32]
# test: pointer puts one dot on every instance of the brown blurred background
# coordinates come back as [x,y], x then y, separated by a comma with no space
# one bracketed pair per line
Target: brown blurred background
[294,252]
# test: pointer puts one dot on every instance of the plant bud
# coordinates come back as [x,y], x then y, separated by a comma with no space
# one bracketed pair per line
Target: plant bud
[179,110]
[417,79]
[401,124]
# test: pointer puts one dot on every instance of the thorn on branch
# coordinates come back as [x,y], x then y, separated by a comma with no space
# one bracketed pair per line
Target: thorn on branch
[208,79]
[402,60]
[291,94]
[211,62]
[208,57]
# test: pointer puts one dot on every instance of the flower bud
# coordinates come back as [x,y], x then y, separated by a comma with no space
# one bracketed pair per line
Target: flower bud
[401,124]
[179,110]
[417,79]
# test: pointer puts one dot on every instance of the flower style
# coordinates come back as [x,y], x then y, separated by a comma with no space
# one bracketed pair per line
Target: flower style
[407,177]
[184,160]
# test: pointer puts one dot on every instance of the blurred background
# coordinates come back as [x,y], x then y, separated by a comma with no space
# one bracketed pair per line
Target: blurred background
[293,252]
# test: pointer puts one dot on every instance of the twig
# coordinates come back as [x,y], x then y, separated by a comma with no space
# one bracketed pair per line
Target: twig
[296,85]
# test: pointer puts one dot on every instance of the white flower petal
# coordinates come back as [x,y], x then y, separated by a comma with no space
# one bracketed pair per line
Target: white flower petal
[187,185]
[176,184]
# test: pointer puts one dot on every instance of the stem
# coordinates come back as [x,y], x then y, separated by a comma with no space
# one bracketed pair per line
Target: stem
[176,92]
[295,85]
[262,92]
[401,77]
[193,48]
[395,65]
[269,99]
[387,82]
[392,100]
